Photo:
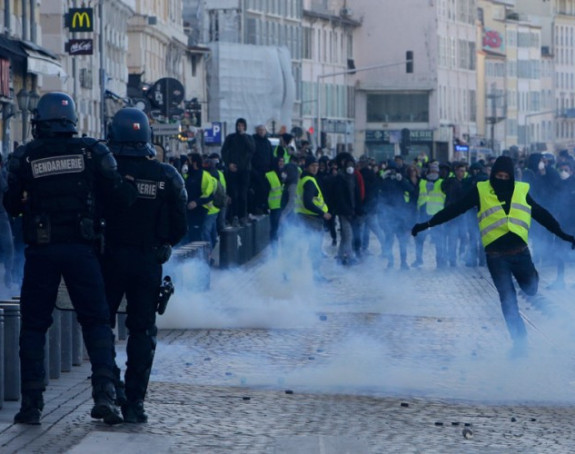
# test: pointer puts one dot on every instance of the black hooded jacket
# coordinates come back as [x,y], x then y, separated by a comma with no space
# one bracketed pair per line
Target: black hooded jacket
[238,149]
[509,241]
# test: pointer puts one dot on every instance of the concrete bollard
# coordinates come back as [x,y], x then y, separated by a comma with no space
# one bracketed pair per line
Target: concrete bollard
[55,345]
[246,249]
[47,359]
[2,347]
[77,342]
[261,232]
[66,339]
[229,247]
[11,349]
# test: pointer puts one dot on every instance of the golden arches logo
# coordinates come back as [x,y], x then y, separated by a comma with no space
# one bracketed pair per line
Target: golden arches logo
[81,19]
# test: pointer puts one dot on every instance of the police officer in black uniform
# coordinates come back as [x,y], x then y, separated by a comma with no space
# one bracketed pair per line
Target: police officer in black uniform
[57,182]
[138,241]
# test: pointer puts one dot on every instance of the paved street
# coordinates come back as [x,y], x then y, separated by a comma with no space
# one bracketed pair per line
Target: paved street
[375,361]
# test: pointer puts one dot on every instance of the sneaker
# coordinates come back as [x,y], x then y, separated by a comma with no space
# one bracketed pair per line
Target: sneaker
[104,404]
[30,411]
[404,266]
[134,412]
[417,264]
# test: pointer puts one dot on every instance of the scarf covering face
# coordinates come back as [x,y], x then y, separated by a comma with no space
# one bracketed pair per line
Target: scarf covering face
[503,188]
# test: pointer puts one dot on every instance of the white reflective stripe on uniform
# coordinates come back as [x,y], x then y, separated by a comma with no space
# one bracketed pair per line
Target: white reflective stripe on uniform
[493,226]
[489,212]
[518,206]
[519,223]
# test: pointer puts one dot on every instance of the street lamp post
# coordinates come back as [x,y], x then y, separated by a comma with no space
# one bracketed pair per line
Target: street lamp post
[27,102]
[340,73]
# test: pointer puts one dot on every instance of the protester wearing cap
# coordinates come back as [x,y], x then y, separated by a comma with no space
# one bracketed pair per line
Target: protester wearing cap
[505,209]
[431,199]
[283,150]
[312,210]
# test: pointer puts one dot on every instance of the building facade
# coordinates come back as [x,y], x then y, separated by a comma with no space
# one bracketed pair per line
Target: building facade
[425,108]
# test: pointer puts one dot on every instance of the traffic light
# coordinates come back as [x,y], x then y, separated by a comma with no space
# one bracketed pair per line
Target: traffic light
[405,141]
[409,62]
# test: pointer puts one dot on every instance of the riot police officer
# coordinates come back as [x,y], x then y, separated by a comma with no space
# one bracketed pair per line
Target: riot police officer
[138,241]
[58,182]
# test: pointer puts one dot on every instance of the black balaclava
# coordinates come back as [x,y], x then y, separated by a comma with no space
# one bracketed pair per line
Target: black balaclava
[503,188]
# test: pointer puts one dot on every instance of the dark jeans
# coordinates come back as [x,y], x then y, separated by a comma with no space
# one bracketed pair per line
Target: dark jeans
[43,270]
[237,188]
[133,271]
[502,269]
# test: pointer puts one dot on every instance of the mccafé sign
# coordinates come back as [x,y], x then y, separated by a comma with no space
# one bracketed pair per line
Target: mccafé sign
[80,19]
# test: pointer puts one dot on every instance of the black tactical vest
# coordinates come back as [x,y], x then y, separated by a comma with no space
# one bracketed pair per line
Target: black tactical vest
[60,204]
[142,222]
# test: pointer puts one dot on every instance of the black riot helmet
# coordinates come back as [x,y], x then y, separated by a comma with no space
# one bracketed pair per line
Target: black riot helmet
[130,133]
[54,115]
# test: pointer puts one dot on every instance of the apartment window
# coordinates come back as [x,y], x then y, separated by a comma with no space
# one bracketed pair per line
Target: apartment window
[307,43]
[349,46]
[472,56]
[251,31]
[398,107]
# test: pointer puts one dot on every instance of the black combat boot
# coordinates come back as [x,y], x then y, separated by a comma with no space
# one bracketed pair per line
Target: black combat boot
[30,410]
[134,412]
[104,404]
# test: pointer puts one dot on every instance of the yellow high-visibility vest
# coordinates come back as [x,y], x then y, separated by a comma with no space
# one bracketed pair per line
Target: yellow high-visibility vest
[494,222]
[209,184]
[317,200]
[275,195]
[433,200]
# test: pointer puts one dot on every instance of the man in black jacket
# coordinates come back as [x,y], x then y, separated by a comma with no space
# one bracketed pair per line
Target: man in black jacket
[505,210]
[237,153]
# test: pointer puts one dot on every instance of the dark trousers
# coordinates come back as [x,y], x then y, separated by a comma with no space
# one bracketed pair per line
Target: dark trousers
[502,269]
[133,271]
[238,184]
[43,270]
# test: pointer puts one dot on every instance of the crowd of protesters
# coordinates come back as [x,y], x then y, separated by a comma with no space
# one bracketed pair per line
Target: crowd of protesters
[367,200]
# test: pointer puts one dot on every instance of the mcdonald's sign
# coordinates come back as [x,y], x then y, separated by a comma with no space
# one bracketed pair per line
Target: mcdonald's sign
[80,19]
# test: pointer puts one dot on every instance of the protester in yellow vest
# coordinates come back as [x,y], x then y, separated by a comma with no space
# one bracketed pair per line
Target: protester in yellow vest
[504,215]
[312,210]
[431,199]
[275,190]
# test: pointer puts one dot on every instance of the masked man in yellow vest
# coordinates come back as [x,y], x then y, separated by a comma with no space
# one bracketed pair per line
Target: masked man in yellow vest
[504,214]
[431,199]
[312,210]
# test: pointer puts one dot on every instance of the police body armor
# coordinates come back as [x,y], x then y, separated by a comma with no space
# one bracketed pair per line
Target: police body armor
[60,206]
[148,222]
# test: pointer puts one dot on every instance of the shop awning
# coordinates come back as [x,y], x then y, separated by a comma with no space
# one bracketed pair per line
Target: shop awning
[41,61]
[11,50]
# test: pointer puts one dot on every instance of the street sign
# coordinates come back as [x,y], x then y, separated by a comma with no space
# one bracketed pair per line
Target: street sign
[213,135]
[165,93]
[166,129]
[80,47]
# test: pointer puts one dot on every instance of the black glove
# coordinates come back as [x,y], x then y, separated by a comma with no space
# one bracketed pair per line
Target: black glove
[419,228]
[571,239]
